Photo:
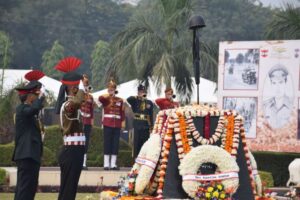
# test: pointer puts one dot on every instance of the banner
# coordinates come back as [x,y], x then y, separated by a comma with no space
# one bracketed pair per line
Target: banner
[260,79]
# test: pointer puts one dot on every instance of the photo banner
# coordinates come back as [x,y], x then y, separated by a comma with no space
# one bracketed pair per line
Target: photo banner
[260,79]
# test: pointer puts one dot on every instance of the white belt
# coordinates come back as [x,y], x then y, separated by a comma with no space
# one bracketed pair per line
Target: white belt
[210,177]
[112,116]
[74,139]
[84,114]
[147,162]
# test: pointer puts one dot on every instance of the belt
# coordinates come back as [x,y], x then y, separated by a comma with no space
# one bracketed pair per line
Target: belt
[74,139]
[112,116]
[141,117]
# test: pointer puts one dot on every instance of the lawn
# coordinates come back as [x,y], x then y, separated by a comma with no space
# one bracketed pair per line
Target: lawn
[53,196]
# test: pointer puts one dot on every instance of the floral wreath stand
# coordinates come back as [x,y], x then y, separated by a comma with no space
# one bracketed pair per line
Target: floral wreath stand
[173,181]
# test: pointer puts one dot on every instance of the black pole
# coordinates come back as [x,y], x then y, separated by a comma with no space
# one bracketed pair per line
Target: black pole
[196,23]
[196,60]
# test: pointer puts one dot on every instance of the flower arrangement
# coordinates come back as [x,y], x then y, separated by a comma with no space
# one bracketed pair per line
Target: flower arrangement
[227,169]
[212,191]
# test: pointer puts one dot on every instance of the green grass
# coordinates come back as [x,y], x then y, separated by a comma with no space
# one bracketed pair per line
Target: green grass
[52,196]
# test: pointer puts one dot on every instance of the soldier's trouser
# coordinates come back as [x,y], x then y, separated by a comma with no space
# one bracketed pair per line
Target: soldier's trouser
[27,179]
[70,162]
[111,137]
[87,128]
[141,135]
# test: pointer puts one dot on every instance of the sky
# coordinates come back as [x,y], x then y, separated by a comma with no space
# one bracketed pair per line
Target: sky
[279,3]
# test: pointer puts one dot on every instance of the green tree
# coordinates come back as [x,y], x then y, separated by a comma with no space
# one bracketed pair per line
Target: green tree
[8,102]
[285,24]
[5,55]
[100,59]
[154,45]
[51,58]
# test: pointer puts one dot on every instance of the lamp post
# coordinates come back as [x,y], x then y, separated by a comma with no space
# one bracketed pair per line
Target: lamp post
[195,24]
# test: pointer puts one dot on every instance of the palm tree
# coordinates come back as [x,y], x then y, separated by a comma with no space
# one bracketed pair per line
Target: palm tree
[156,45]
[285,24]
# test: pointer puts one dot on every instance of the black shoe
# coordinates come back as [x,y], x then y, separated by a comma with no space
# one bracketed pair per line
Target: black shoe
[115,168]
[106,168]
[85,168]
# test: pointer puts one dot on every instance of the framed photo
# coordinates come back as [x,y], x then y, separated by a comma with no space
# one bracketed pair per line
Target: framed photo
[241,69]
[247,107]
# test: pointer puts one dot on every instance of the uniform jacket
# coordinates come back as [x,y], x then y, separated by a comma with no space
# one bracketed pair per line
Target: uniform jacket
[164,103]
[114,113]
[28,140]
[142,107]
[87,110]
[70,116]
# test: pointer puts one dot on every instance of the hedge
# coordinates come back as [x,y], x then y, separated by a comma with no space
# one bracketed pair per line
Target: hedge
[53,143]
[266,178]
[2,176]
[275,163]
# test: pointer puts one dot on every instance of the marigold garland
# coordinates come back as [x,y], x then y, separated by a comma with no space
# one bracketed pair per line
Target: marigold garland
[184,139]
[229,133]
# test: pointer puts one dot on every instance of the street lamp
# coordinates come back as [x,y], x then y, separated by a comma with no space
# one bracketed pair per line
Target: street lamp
[195,24]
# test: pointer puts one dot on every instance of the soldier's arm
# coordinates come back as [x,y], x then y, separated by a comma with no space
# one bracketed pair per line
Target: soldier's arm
[131,100]
[104,100]
[159,102]
[35,107]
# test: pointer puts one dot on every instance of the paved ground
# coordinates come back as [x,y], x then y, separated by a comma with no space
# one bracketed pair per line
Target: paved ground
[94,176]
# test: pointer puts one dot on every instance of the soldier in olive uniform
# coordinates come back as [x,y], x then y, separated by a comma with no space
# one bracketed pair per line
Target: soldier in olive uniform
[72,153]
[28,141]
[278,108]
[143,118]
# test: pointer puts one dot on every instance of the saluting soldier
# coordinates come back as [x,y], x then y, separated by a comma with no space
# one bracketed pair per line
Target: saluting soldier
[87,112]
[68,106]
[28,141]
[167,102]
[113,120]
[143,118]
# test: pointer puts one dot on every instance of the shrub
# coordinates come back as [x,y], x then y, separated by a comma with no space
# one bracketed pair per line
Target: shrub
[2,176]
[6,154]
[275,163]
[266,178]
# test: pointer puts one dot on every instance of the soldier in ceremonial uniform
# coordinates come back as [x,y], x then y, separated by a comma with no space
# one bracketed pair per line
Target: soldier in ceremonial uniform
[113,120]
[28,141]
[87,112]
[143,118]
[72,153]
[167,102]
[279,107]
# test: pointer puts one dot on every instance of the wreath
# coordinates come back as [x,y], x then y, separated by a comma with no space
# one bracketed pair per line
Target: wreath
[198,185]
[146,162]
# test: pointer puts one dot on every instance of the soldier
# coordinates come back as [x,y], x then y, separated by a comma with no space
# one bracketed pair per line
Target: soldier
[143,118]
[28,140]
[113,120]
[71,156]
[167,102]
[87,112]
[278,108]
